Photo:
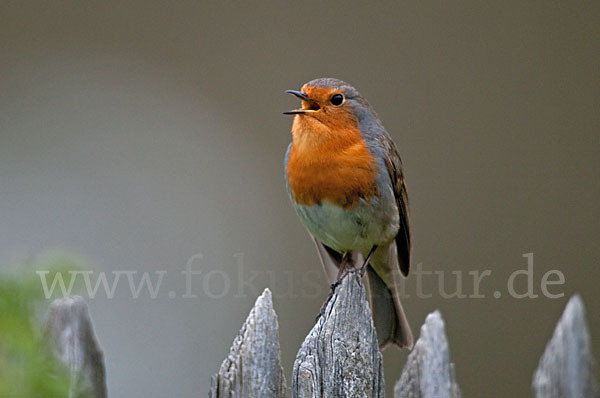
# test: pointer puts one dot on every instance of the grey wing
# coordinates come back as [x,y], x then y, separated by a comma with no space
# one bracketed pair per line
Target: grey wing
[394,168]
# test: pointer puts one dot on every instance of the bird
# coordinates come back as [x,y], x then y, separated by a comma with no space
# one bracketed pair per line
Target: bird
[345,180]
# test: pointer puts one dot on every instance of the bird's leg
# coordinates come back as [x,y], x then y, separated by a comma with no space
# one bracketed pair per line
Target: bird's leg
[342,269]
[341,273]
[364,266]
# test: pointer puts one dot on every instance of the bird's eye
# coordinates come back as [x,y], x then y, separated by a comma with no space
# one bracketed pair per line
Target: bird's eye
[337,99]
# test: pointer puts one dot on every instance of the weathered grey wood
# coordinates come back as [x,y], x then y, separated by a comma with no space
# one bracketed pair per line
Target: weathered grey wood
[566,370]
[428,372]
[253,367]
[340,357]
[69,330]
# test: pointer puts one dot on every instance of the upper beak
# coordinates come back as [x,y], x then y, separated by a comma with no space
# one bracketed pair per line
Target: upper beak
[299,94]
[303,97]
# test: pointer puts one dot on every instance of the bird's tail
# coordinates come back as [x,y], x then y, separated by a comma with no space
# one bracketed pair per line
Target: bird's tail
[388,315]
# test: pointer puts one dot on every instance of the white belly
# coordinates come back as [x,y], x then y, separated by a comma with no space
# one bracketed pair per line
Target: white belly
[357,229]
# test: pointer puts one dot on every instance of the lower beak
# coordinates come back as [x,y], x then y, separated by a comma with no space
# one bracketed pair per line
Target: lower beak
[296,112]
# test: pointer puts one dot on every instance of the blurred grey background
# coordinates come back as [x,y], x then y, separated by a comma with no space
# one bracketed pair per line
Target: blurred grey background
[139,134]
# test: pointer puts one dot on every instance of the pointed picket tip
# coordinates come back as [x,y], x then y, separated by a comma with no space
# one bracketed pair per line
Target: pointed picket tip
[566,369]
[253,367]
[428,372]
[70,332]
[340,357]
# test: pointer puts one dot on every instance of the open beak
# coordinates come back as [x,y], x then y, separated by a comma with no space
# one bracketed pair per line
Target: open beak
[308,104]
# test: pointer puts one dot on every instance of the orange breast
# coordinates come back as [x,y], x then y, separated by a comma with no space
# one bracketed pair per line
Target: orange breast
[329,163]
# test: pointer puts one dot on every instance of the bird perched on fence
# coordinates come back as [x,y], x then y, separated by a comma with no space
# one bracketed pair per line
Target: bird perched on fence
[344,178]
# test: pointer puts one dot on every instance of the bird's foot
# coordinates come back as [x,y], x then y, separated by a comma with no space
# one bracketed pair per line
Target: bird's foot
[361,271]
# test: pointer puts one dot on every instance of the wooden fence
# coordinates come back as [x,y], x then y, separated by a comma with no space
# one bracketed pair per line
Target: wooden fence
[339,357]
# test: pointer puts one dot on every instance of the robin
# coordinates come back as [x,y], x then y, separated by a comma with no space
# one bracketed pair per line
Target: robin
[344,178]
